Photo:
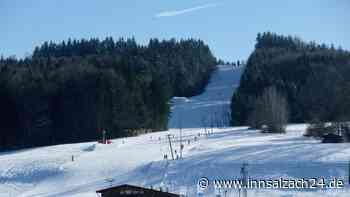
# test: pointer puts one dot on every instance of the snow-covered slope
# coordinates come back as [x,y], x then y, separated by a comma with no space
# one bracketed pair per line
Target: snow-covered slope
[213,104]
[50,171]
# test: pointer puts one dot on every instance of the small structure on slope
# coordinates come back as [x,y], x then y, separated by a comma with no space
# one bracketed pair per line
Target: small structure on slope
[131,190]
[104,139]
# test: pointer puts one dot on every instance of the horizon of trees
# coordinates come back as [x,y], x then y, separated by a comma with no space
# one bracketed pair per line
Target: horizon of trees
[314,79]
[238,63]
[68,92]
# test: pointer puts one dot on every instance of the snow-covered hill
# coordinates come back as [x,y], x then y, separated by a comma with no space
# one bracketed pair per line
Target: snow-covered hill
[50,171]
[204,110]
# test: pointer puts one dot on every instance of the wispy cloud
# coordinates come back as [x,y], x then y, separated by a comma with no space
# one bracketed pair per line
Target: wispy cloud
[184,11]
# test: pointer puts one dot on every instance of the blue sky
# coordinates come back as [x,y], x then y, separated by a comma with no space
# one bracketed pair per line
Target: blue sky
[228,26]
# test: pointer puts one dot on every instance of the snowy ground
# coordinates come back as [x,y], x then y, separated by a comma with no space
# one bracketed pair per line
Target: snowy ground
[50,171]
[209,107]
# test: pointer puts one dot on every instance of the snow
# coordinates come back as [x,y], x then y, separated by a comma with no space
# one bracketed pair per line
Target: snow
[196,111]
[49,171]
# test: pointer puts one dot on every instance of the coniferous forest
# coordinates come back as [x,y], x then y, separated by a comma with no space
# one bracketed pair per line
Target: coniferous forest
[314,79]
[69,91]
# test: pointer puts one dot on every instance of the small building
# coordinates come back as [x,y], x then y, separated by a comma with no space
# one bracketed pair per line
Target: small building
[130,191]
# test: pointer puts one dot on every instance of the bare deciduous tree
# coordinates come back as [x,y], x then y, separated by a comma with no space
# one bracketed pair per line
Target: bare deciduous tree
[270,109]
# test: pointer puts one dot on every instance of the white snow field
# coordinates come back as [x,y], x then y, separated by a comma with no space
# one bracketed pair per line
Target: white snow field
[209,107]
[50,171]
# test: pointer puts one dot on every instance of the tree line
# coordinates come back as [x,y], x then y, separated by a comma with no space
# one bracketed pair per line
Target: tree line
[69,91]
[313,79]
[235,64]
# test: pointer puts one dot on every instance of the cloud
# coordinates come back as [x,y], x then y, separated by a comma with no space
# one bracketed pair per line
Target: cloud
[184,11]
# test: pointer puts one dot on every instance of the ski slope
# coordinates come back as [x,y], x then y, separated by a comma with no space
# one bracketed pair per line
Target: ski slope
[204,110]
[50,171]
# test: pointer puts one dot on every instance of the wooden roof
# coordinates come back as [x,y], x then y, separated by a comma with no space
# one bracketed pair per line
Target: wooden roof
[126,187]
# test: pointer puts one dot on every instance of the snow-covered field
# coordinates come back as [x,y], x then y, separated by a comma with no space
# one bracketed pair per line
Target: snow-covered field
[204,109]
[50,171]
